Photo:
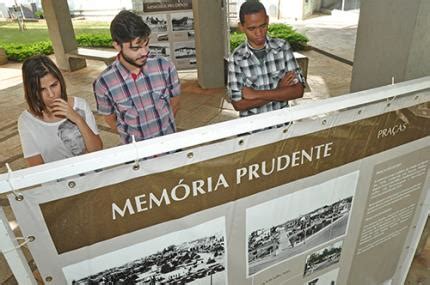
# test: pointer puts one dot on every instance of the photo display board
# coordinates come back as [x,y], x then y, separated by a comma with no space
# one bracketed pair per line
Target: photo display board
[332,200]
[172,30]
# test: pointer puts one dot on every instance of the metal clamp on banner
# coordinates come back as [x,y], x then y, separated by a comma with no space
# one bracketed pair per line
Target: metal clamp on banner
[286,128]
[25,241]
[391,99]
[18,196]
[136,165]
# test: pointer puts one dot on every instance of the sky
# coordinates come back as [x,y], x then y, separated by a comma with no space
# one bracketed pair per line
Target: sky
[291,206]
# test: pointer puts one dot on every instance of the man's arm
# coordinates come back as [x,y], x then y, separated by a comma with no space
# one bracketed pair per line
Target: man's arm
[235,84]
[246,104]
[34,160]
[256,98]
[288,88]
[174,104]
[111,121]
[104,105]
[282,93]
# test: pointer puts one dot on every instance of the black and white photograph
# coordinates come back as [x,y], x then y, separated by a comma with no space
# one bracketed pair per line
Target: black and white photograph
[185,50]
[166,5]
[323,258]
[182,21]
[159,49]
[295,223]
[190,35]
[185,55]
[163,37]
[328,278]
[183,36]
[157,22]
[195,255]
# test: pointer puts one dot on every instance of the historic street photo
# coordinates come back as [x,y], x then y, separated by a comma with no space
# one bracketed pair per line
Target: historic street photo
[323,258]
[185,50]
[185,55]
[328,278]
[297,222]
[156,22]
[184,36]
[182,21]
[160,49]
[161,37]
[195,255]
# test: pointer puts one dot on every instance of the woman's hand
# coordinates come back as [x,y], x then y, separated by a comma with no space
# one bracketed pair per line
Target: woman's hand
[62,109]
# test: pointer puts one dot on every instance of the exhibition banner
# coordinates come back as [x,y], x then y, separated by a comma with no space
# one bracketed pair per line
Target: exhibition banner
[275,206]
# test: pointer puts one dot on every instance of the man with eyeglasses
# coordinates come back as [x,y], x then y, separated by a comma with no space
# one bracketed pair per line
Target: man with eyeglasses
[262,72]
[137,93]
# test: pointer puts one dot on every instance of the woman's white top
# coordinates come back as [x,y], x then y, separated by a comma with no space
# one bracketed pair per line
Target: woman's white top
[54,140]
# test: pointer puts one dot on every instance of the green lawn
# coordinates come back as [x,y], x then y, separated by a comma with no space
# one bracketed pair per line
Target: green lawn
[38,31]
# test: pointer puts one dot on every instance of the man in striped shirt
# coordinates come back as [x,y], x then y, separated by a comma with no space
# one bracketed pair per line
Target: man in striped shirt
[262,72]
[137,93]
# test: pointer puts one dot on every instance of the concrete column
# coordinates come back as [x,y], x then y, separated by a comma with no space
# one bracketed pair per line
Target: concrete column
[61,33]
[210,24]
[392,40]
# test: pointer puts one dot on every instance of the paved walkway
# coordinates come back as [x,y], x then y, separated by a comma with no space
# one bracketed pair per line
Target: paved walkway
[333,35]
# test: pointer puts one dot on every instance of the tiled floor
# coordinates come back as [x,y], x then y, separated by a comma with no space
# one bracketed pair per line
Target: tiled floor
[419,273]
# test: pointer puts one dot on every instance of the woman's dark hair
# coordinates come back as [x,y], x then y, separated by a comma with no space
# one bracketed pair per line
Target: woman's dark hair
[250,7]
[33,69]
[127,26]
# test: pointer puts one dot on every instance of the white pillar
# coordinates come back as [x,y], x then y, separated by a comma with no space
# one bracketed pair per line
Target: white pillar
[392,41]
[210,24]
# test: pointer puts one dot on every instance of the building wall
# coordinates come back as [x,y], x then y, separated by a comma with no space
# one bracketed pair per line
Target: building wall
[3,11]
[99,4]
[291,9]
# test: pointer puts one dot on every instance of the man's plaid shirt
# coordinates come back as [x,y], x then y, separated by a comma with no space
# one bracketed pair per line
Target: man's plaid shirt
[245,70]
[141,104]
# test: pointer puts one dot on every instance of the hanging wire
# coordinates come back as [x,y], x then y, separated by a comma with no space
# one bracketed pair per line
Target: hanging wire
[18,196]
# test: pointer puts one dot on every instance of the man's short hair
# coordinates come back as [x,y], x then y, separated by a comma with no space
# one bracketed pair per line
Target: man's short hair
[127,26]
[250,7]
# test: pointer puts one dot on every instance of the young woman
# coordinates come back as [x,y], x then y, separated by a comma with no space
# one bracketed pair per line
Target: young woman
[55,126]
